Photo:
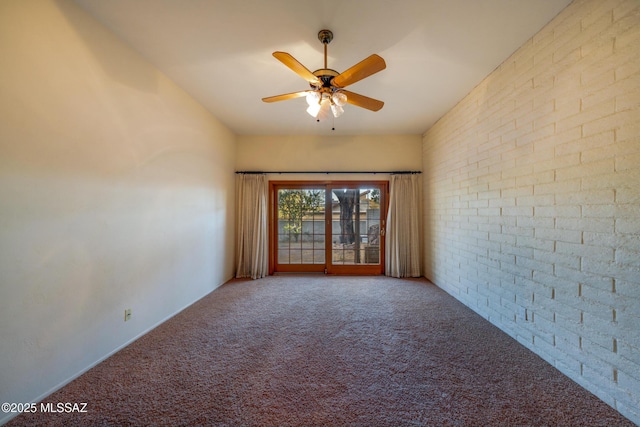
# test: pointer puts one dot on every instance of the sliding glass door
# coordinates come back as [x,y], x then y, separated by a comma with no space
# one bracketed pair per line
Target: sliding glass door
[331,227]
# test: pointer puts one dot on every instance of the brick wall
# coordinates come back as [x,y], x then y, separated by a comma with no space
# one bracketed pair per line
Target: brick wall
[532,198]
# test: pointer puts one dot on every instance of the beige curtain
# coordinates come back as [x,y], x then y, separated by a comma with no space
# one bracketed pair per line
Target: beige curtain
[403,227]
[252,233]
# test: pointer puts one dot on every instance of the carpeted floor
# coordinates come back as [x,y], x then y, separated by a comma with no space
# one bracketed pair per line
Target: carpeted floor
[327,351]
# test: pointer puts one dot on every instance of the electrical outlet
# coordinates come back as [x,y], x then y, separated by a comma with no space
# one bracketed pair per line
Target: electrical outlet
[127,314]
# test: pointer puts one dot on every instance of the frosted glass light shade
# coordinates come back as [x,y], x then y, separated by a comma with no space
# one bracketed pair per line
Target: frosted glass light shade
[325,108]
[314,109]
[339,98]
[313,98]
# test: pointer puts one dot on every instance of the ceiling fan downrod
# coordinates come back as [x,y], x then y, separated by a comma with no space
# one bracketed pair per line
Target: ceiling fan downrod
[325,37]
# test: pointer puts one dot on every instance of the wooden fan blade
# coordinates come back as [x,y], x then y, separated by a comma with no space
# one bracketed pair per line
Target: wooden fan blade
[362,69]
[296,67]
[363,101]
[285,96]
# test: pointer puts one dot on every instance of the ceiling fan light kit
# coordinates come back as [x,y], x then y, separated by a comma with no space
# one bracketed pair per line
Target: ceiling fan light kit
[326,93]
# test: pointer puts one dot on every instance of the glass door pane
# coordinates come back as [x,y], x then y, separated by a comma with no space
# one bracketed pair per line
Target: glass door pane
[300,229]
[356,229]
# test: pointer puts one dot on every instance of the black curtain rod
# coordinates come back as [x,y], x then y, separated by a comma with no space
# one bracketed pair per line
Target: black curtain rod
[329,172]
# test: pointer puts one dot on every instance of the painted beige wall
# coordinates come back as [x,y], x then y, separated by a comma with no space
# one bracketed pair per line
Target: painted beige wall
[116,191]
[532,198]
[334,153]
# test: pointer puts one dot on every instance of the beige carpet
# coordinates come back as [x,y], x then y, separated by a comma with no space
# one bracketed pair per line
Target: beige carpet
[327,351]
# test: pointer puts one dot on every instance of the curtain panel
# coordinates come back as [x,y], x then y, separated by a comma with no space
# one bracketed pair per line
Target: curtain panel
[252,243]
[403,227]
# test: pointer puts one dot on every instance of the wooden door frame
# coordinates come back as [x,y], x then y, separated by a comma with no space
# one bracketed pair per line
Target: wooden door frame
[327,185]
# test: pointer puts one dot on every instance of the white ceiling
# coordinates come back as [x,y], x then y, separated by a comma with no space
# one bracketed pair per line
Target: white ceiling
[219,51]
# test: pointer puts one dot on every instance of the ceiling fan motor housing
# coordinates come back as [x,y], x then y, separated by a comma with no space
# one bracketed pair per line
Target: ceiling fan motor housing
[325,75]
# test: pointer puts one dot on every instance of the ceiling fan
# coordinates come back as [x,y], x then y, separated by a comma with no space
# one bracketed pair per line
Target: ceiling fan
[327,85]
